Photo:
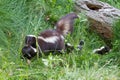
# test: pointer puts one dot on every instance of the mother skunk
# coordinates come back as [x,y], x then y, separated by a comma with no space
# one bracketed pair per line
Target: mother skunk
[49,40]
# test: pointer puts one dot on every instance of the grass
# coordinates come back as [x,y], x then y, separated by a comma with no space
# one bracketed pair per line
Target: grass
[19,18]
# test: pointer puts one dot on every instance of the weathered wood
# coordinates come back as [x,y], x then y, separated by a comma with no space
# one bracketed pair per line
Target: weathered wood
[101,16]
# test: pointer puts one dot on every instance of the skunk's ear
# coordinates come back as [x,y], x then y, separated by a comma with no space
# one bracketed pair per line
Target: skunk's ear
[30,40]
[65,24]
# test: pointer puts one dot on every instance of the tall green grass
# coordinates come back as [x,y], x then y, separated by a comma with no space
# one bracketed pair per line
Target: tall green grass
[19,18]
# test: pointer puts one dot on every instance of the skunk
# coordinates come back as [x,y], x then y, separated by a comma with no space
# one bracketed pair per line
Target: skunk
[49,40]
[102,50]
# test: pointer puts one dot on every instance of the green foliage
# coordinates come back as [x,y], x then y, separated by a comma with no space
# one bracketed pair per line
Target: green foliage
[116,31]
[115,3]
[19,18]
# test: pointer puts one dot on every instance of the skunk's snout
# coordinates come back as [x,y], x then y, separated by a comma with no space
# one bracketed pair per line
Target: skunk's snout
[28,52]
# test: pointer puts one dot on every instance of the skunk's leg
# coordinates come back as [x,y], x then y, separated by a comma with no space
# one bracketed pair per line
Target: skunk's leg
[69,47]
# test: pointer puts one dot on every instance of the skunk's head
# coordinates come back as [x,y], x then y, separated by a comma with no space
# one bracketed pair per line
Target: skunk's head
[81,43]
[30,40]
[65,24]
[29,50]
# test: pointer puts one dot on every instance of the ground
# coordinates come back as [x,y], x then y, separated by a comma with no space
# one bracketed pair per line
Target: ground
[19,18]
